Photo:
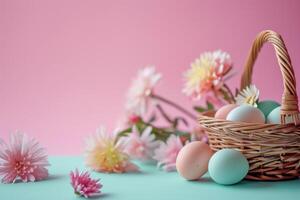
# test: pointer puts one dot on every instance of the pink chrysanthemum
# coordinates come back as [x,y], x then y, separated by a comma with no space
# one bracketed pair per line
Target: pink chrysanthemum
[166,153]
[22,159]
[141,89]
[206,74]
[141,145]
[105,153]
[84,185]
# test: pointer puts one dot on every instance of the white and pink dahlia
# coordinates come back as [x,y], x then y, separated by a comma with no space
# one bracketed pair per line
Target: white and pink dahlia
[141,89]
[84,185]
[206,74]
[141,145]
[167,152]
[23,159]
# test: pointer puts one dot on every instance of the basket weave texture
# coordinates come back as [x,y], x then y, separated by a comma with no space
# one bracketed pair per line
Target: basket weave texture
[272,150]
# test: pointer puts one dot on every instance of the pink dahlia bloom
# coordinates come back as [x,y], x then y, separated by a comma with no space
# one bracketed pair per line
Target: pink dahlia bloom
[166,153]
[22,159]
[84,185]
[141,145]
[142,87]
[206,74]
[106,153]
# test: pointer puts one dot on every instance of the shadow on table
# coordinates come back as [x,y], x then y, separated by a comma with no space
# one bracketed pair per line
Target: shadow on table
[53,177]
[278,185]
[102,174]
[101,196]
[50,178]
[202,180]
[250,184]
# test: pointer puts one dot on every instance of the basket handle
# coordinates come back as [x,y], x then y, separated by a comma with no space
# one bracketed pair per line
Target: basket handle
[289,105]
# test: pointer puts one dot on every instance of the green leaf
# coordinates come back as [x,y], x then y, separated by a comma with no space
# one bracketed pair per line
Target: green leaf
[226,96]
[179,132]
[183,135]
[124,132]
[199,109]
[209,105]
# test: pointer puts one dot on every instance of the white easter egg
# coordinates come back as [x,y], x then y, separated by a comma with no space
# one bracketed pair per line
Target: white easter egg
[246,113]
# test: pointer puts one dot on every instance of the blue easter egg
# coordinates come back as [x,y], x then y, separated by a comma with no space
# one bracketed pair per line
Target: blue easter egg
[228,166]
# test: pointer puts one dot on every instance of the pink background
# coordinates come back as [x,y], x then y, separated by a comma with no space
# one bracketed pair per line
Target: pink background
[65,65]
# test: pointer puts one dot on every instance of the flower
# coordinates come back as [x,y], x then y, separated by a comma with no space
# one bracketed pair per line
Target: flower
[141,89]
[207,74]
[105,153]
[128,120]
[133,119]
[166,153]
[248,95]
[141,146]
[83,185]
[22,159]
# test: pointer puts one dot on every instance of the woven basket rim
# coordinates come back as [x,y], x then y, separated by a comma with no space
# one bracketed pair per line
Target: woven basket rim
[262,125]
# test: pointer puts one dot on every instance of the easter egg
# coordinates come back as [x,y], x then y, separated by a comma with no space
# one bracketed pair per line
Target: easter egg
[267,106]
[246,113]
[192,160]
[274,117]
[228,166]
[223,111]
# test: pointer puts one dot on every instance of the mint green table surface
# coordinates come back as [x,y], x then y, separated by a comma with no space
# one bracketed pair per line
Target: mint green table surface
[151,183]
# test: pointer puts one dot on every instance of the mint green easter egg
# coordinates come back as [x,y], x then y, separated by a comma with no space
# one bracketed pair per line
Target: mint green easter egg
[228,166]
[274,117]
[267,106]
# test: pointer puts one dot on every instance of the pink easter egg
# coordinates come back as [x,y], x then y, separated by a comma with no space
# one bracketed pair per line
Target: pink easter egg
[223,111]
[192,160]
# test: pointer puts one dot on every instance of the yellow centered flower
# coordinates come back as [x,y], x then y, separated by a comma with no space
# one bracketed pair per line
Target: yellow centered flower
[206,74]
[199,73]
[105,153]
[249,95]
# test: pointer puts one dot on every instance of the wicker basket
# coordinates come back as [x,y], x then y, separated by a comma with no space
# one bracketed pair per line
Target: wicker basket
[273,151]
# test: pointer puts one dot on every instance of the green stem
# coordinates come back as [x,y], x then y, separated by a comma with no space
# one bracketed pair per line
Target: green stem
[178,107]
[174,121]
[164,114]
[160,133]
[228,91]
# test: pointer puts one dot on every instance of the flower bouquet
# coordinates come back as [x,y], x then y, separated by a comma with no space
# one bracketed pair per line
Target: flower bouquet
[141,137]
